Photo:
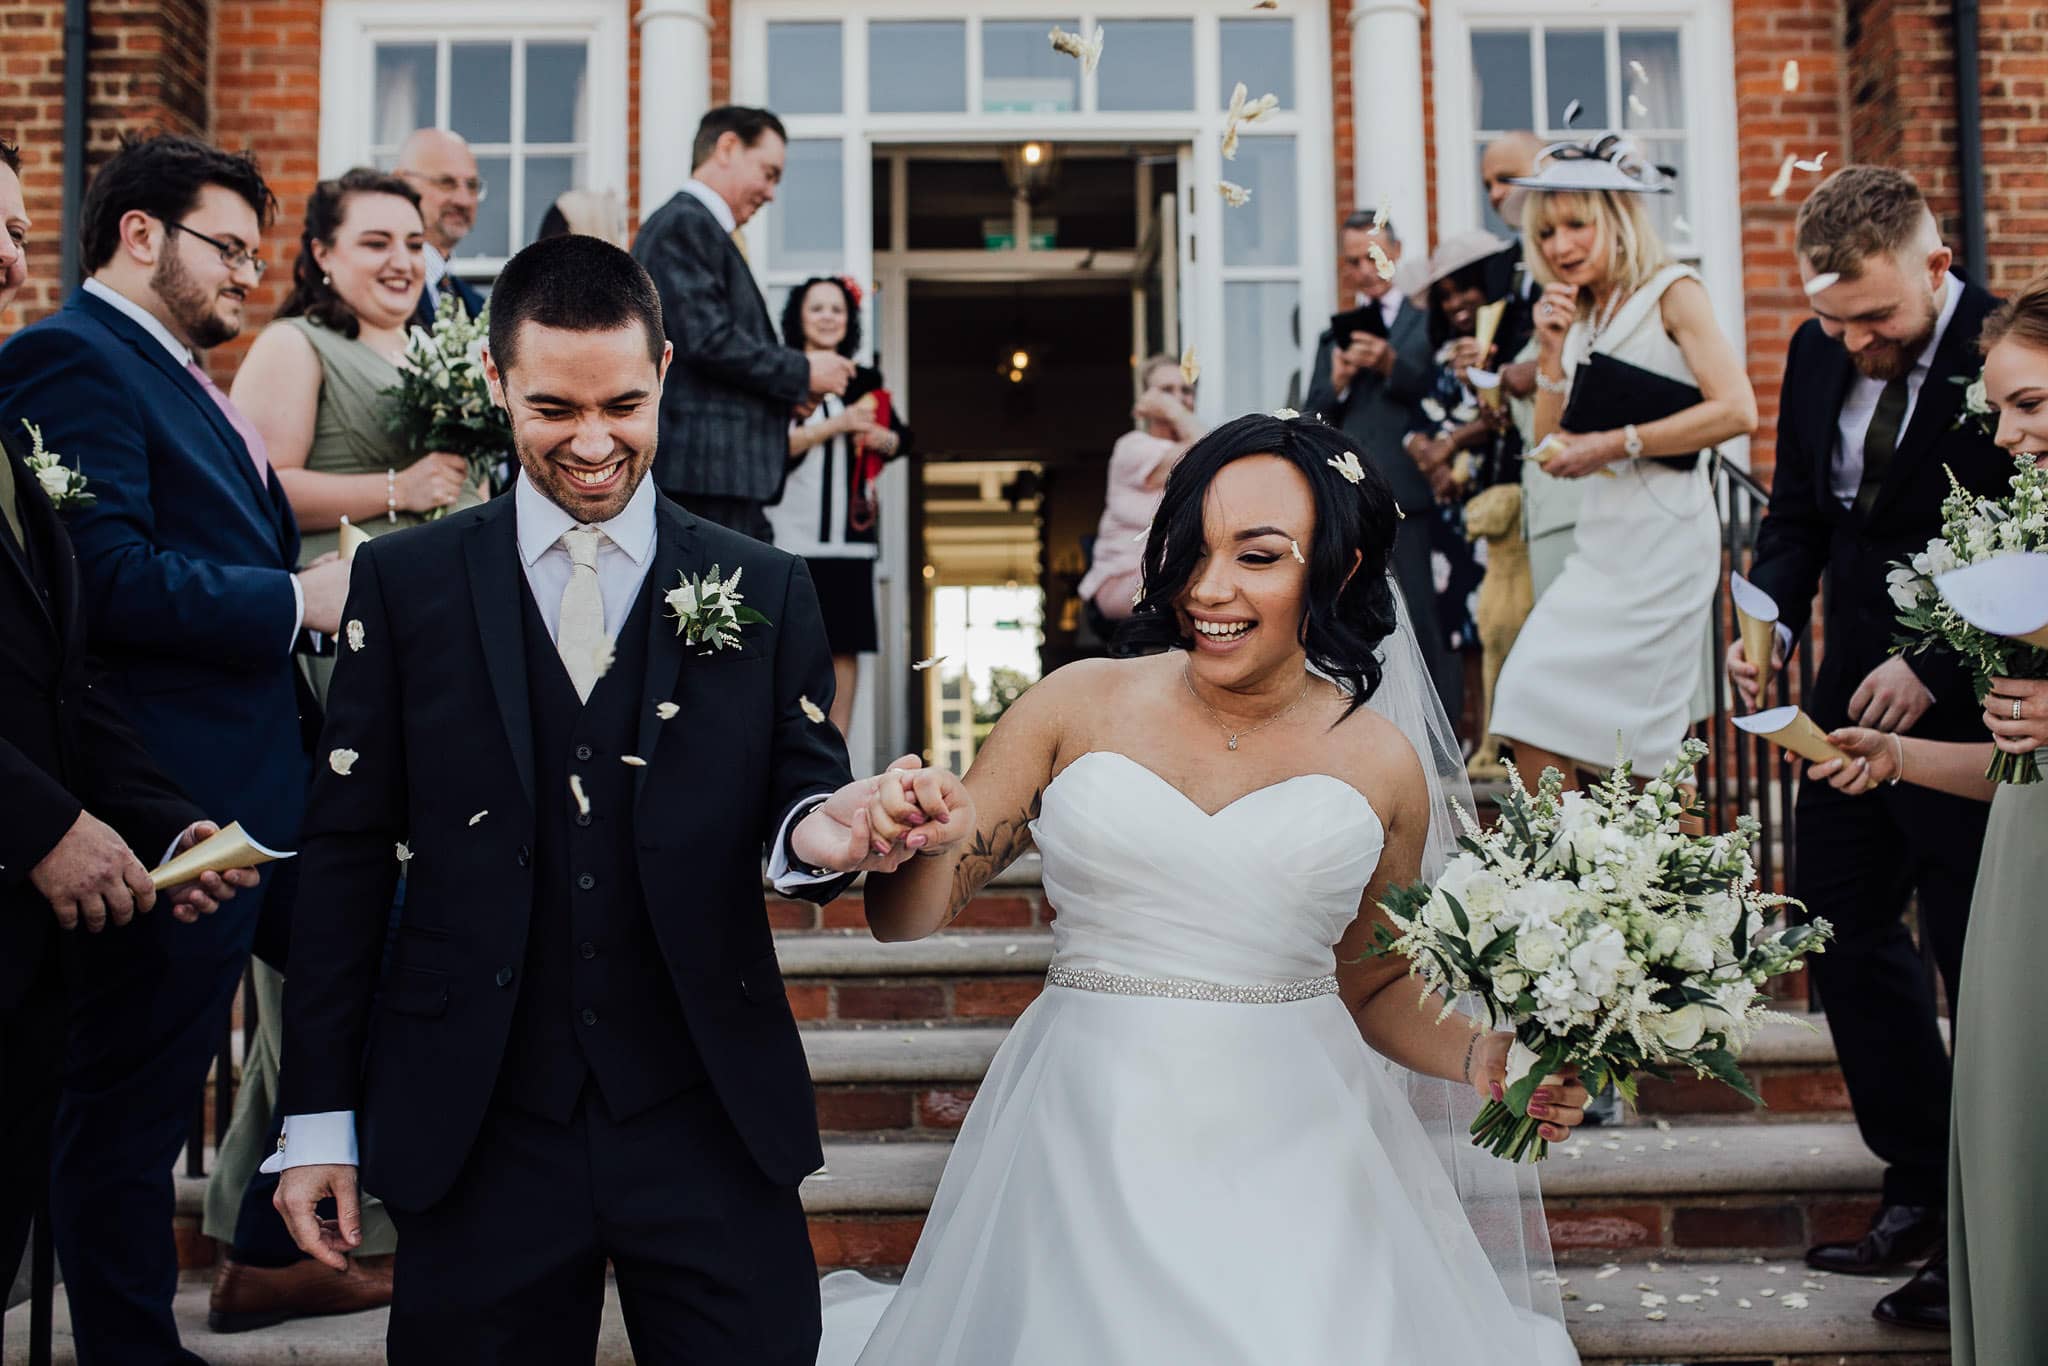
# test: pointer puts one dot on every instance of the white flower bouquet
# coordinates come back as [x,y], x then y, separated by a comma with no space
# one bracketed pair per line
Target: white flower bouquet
[1603,936]
[441,402]
[709,611]
[1975,529]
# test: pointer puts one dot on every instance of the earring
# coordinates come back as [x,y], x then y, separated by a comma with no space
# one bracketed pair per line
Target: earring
[327,280]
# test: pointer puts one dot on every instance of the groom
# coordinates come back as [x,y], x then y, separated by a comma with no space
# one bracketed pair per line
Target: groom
[577,1047]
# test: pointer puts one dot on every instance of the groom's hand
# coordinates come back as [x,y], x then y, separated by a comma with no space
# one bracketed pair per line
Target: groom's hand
[923,809]
[299,1193]
[837,834]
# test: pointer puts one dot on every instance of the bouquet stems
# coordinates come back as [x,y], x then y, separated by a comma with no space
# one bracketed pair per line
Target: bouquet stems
[1502,1132]
[2017,769]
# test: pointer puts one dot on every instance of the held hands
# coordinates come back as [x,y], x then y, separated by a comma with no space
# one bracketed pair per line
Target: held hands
[1873,760]
[1560,1102]
[433,481]
[1892,697]
[299,1192]
[1742,673]
[877,824]
[204,894]
[2030,731]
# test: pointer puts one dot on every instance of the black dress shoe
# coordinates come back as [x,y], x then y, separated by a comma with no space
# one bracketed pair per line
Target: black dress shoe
[1899,1236]
[1921,1302]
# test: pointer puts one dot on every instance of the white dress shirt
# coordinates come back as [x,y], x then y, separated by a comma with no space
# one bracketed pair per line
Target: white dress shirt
[624,557]
[1859,405]
[182,354]
[714,201]
[437,271]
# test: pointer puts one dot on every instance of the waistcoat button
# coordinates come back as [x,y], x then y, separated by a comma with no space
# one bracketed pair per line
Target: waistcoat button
[586,882]
[588,950]
[583,751]
[505,977]
[590,1017]
[525,857]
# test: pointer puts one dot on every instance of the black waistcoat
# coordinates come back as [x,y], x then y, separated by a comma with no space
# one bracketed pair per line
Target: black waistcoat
[596,1000]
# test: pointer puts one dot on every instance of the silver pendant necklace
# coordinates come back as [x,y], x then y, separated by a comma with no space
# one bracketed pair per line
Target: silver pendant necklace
[1231,738]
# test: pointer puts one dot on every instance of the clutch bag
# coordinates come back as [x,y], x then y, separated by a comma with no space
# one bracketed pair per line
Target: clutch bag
[1608,394]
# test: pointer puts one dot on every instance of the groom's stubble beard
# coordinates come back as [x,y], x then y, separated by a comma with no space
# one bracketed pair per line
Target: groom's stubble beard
[554,481]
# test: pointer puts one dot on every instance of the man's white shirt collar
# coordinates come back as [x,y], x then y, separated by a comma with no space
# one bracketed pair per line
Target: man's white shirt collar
[145,319]
[437,265]
[542,522]
[1954,289]
[712,200]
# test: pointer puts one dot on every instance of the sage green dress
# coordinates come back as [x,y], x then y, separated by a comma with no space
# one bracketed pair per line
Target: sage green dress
[351,435]
[1998,1159]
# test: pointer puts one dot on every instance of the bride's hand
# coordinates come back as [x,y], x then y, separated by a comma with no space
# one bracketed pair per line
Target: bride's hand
[927,809]
[1560,1102]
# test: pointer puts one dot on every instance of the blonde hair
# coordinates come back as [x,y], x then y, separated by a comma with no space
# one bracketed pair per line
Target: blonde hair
[2023,318]
[1634,250]
[1860,212]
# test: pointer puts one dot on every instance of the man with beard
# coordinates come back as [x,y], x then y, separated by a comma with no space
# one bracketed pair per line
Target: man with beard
[1872,393]
[441,167]
[186,567]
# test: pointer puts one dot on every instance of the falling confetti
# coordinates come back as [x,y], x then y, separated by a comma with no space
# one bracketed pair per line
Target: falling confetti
[633,760]
[1652,1300]
[1710,1280]
[1605,1272]
[1688,1299]
[666,710]
[810,709]
[404,852]
[1348,466]
[1744,1304]
[1242,112]
[1815,165]
[1792,1301]
[1679,224]
[1235,195]
[1636,68]
[1381,214]
[924,664]
[1596,1309]
[1638,108]
[1190,368]
[1087,51]
[341,760]
[1381,262]
[479,816]
[1286,414]
[601,656]
[1784,180]
[1295,546]
[1265,4]
[355,635]
[1791,76]
[1655,1316]
[576,791]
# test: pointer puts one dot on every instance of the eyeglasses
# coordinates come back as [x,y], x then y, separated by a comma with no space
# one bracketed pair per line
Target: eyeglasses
[448,184]
[232,255]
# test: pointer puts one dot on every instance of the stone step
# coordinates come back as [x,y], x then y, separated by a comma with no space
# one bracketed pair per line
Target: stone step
[1834,1327]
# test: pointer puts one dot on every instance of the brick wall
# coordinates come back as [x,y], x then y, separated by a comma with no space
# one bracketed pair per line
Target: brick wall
[32,114]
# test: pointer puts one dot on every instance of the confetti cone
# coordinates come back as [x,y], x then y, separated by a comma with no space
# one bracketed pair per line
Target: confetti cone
[231,848]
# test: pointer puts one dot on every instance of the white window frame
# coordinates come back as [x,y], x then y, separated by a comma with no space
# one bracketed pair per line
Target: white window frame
[1705,41]
[351,29]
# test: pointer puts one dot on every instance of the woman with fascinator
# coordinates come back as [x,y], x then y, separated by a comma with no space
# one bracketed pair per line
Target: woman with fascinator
[827,512]
[1205,1142]
[1635,385]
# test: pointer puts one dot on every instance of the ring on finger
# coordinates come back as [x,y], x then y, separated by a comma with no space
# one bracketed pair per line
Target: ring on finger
[2016,709]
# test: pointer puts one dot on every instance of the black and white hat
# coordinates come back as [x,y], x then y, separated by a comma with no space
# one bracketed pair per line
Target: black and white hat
[1609,162]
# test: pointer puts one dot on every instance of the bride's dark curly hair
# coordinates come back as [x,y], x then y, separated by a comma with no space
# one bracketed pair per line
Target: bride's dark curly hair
[1347,614]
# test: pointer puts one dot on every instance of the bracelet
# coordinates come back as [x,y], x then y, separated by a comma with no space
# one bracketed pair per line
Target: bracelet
[1899,753]
[391,495]
[1552,386]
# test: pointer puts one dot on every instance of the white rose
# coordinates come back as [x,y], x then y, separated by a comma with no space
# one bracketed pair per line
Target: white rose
[1695,952]
[683,601]
[1723,912]
[1538,948]
[1485,896]
[1664,940]
[1543,904]
[1680,1029]
[1522,1060]
[1509,984]
[55,479]
[1598,960]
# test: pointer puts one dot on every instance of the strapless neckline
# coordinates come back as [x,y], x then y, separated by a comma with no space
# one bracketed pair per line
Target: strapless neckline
[1228,806]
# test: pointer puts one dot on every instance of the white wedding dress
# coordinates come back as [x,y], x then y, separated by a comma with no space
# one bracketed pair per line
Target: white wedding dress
[1153,1174]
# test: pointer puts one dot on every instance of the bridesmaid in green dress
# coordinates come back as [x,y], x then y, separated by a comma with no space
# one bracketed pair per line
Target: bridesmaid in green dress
[1998,1161]
[312,385]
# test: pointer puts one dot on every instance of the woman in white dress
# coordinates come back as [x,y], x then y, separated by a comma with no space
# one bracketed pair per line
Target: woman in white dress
[1192,1148]
[1614,648]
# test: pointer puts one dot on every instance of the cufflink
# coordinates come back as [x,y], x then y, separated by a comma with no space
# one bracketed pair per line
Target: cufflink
[280,1142]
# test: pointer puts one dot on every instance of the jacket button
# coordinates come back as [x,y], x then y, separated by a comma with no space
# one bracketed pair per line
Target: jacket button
[588,949]
[590,1017]
[505,977]
[584,751]
[582,818]
[524,856]
[586,882]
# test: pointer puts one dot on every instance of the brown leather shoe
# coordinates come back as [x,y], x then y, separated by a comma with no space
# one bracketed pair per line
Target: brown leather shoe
[246,1297]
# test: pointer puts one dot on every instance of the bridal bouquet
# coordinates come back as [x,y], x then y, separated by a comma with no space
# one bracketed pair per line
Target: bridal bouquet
[441,402]
[1603,936]
[1975,529]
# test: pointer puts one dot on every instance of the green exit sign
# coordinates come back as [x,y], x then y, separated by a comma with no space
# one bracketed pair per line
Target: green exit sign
[1000,234]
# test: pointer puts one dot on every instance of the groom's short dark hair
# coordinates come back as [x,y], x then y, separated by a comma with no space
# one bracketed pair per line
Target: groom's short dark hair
[577,284]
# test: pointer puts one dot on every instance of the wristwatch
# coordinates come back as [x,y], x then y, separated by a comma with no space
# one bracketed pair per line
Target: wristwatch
[1631,441]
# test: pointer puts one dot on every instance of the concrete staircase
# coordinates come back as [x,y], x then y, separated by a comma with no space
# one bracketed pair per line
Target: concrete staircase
[1701,1198]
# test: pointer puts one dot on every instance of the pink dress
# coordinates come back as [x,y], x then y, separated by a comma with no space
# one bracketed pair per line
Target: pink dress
[1127,510]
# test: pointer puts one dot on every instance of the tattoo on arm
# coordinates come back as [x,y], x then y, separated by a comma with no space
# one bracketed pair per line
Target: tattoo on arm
[989,853]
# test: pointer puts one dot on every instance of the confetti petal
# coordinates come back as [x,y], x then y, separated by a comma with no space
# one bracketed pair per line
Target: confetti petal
[1655,1316]
[1795,1300]
[1596,1309]
[1680,225]
[1744,1304]
[1265,4]
[355,634]
[1381,262]
[810,709]
[1348,466]
[1236,196]
[1571,113]
[1286,414]
[1295,546]
[1814,165]
[1784,180]
[601,656]
[666,710]
[1791,76]
[1087,51]
[576,791]
[342,760]
[1638,108]
[924,664]
[1190,368]
[1636,68]
[479,816]
[404,852]
[633,760]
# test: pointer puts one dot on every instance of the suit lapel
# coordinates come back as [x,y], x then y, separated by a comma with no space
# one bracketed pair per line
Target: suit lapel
[1941,393]
[673,539]
[1824,433]
[496,579]
[29,503]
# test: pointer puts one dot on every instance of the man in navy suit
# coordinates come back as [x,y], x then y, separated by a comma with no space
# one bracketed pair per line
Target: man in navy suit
[440,166]
[187,575]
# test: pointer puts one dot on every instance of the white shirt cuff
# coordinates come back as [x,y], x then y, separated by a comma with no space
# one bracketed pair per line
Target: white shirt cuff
[325,1139]
[1784,639]
[781,876]
[298,613]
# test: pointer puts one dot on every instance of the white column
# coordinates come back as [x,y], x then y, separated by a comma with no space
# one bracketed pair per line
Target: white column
[675,92]
[1386,113]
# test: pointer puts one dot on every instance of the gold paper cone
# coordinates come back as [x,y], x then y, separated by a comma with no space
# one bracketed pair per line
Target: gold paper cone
[231,848]
[352,537]
[2037,639]
[1793,729]
[1488,324]
[1759,639]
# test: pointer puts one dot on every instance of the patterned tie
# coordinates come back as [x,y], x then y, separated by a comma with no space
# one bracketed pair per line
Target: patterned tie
[253,439]
[580,637]
[1881,443]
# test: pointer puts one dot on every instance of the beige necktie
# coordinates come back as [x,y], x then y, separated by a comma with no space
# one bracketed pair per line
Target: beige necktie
[739,240]
[579,635]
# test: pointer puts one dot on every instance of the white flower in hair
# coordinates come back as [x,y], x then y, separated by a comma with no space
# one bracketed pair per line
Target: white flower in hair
[1348,466]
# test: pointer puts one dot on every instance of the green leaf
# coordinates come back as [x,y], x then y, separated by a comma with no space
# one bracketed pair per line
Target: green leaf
[1721,1064]
[1458,914]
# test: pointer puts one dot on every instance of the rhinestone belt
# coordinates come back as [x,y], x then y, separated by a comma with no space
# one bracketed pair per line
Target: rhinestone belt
[1181,989]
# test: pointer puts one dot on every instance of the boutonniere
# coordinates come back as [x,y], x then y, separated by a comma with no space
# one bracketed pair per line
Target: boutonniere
[1976,405]
[709,611]
[66,487]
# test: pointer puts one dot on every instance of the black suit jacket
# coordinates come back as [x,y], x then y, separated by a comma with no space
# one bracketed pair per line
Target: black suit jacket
[1808,532]
[63,746]
[472,302]
[437,706]
[725,409]
[1379,411]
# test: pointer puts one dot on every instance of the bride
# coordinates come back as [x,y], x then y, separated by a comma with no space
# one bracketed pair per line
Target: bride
[1192,1147]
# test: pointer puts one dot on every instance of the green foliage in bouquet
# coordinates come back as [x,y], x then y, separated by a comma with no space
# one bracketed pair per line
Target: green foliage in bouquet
[1603,936]
[441,402]
[1975,529]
